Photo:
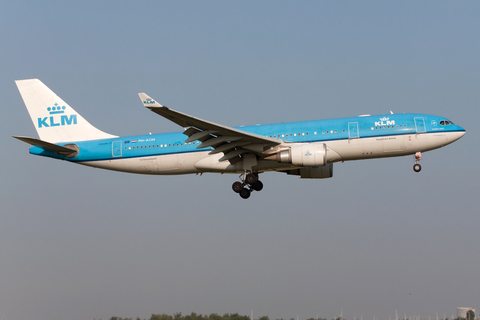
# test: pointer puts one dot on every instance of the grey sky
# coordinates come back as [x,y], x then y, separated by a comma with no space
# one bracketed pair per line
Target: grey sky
[82,243]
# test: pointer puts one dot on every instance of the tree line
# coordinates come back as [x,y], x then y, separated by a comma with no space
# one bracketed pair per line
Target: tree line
[236,316]
[213,316]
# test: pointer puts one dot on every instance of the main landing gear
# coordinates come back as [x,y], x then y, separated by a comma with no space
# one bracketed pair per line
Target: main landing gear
[417,167]
[249,182]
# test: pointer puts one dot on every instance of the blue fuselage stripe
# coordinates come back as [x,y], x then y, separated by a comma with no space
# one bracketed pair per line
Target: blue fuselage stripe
[293,132]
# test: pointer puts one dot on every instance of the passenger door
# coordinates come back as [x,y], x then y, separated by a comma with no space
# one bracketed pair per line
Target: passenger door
[116,149]
[419,125]
[352,130]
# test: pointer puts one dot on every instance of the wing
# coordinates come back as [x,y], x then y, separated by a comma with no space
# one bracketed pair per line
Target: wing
[232,142]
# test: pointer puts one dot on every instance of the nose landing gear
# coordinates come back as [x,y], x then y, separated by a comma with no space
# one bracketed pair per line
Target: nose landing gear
[417,167]
[249,182]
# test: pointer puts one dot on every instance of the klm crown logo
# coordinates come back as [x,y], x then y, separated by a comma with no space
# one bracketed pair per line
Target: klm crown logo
[384,122]
[56,109]
[54,120]
[149,101]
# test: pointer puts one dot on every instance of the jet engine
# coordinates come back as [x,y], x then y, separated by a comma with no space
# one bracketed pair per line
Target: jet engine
[304,155]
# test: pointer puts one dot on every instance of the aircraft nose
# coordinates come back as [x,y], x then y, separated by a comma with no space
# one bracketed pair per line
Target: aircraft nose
[460,133]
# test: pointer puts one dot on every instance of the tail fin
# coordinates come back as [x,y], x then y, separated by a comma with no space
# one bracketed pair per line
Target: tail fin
[54,120]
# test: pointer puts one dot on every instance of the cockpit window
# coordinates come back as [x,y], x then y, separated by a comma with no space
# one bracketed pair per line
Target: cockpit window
[445,122]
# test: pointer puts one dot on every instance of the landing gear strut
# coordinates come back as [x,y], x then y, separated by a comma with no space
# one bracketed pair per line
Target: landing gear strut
[249,182]
[417,167]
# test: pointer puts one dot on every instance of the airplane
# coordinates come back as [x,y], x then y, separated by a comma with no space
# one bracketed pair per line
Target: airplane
[306,149]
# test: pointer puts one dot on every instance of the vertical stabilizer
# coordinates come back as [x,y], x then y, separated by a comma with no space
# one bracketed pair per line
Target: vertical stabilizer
[54,120]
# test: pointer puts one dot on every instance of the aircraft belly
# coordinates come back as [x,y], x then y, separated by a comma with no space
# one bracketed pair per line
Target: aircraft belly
[358,148]
[168,162]
[181,163]
[430,141]
[393,144]
[162,165]
[389,146]
[211,163]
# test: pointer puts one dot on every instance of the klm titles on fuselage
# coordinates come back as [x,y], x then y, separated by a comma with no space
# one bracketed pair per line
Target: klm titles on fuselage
[57,118]
[384,122]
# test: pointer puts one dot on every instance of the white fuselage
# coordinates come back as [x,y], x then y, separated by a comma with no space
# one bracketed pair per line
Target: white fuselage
[337,150]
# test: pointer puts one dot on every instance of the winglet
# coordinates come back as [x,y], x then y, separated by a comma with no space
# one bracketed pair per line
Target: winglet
[149,102]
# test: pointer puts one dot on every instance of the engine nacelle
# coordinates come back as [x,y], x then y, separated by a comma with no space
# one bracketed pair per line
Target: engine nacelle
[322,172]
[305,155]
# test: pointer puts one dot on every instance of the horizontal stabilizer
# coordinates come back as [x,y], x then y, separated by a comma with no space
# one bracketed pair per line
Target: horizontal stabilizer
[48,146]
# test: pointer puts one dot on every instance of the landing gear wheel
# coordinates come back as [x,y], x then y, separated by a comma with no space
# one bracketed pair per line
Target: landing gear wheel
[417,167]
[237,186]
[251,178]
[257,186]
[245,193]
